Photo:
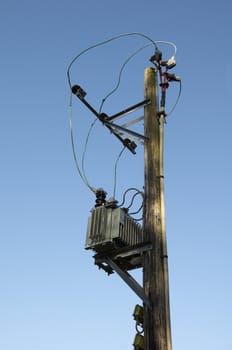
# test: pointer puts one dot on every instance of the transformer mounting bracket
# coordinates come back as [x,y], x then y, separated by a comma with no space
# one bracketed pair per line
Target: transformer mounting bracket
[130,281]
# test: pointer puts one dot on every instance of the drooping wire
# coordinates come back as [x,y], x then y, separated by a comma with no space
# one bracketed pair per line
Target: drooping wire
[168,43]
[125,193]
[154,43]
[137,211]
[85,148]
[120,74]
[177,100]
[132,200]
[103,43]
[100,110]
[74,151]
[138,192]
[72,140]
[115,171]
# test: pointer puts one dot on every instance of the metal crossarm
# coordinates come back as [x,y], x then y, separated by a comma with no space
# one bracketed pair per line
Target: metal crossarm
[106,120]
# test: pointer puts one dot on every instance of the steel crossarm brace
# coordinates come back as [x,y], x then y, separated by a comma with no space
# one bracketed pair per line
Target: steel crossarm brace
[77,90]
[82,99]
[130,281]
[130,109]
[110,126]
[131,122]
[116,126]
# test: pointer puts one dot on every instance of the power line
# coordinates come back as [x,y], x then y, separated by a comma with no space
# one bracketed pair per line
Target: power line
[103,43]
[82,172]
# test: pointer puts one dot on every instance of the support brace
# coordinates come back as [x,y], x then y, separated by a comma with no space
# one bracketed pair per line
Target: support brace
[107,121]
[130,281]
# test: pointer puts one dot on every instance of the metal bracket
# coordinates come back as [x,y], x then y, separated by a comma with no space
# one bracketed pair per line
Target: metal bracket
[130,281]
[119,127]
[130,109]
[132,251]
[117,261]
[107,121]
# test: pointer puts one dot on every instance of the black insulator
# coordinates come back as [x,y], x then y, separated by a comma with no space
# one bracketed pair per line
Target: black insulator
[157,56]
[100,197]
[78,91]
[131,145]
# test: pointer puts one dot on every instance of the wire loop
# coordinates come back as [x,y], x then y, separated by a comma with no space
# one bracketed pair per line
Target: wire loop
[82,170]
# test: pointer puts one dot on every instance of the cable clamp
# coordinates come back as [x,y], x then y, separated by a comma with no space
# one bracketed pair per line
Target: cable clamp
[103,117]
[162,113]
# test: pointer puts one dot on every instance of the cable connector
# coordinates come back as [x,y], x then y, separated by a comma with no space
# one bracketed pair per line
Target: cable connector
[157,57]
[171,63]
[172,77]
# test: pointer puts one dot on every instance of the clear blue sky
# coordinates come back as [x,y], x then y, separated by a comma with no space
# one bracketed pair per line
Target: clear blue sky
[52,297]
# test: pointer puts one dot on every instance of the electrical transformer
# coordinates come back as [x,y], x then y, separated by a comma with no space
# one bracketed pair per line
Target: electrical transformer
[112,228]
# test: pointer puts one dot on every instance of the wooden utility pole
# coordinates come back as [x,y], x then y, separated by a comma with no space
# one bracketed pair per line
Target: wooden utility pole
[157,328]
